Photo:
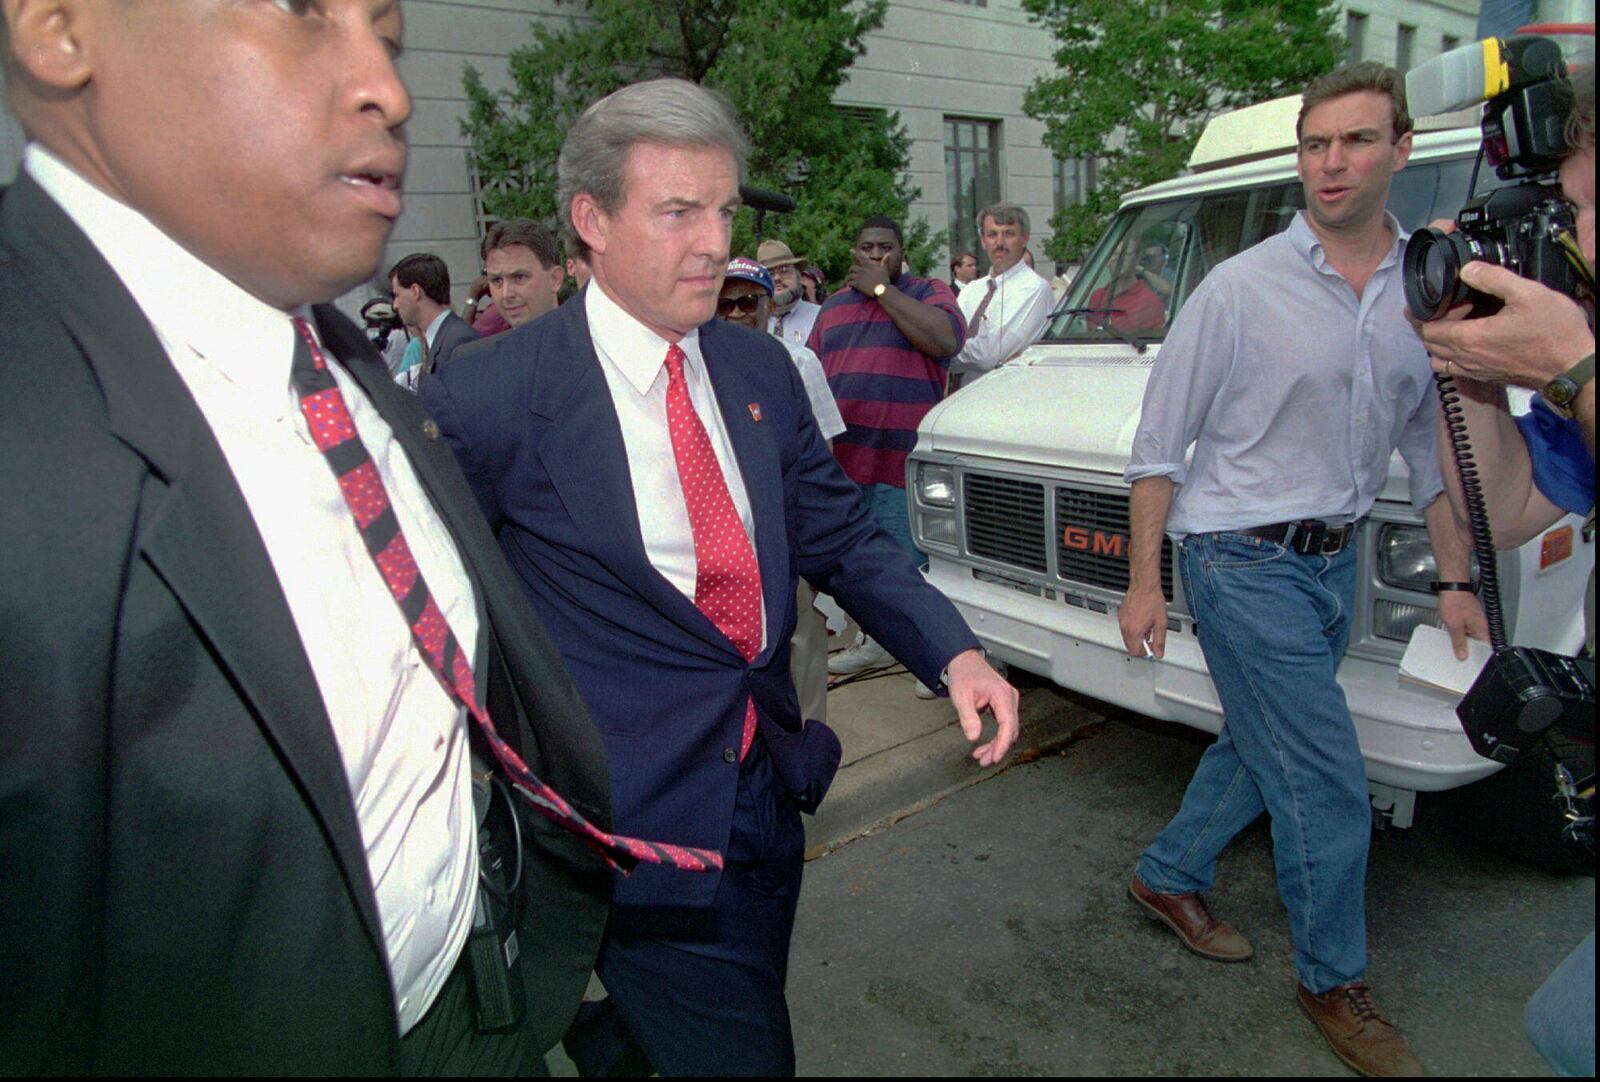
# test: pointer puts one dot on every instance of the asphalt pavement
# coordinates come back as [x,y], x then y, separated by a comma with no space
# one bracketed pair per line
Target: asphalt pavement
[990,934]
[960,920]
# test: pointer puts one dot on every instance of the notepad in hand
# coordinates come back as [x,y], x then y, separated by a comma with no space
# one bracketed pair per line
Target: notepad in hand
[1430,660]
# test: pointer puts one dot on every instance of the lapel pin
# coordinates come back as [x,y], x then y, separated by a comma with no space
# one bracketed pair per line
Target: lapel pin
[755,411]
[430,429]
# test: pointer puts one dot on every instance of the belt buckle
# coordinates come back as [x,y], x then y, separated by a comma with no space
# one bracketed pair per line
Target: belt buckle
[1310,535]
[1334,539]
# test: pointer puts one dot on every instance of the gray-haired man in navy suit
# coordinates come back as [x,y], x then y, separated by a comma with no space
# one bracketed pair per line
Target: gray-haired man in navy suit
[657,480]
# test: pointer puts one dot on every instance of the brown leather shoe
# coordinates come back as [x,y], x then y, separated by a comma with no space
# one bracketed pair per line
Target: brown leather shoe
[1187,915]
[1359,1034]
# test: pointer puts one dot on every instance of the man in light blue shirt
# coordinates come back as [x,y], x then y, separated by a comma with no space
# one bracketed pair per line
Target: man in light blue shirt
[1293,374]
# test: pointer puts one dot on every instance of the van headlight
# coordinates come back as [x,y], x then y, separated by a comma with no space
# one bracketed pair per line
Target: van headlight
[1405,558]
[936,485]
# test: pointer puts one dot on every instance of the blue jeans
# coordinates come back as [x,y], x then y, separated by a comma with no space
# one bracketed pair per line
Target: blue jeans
[1273,625]
[1560,1016]
[888,503]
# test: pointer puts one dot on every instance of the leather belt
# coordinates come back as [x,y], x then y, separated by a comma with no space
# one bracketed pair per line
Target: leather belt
[1308,537]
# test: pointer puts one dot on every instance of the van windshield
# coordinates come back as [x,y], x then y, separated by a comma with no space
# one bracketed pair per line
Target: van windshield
[1153,256]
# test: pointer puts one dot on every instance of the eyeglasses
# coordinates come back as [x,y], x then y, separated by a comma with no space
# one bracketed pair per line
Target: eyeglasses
[746,304]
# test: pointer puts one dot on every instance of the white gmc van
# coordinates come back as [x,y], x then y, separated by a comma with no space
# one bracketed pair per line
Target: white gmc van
[1016,492]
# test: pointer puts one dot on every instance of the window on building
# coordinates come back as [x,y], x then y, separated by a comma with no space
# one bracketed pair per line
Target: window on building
[1405,43]
[972,178]
[1074,178]
[1355,32]
[1448,42]
[865,117]
[484,187]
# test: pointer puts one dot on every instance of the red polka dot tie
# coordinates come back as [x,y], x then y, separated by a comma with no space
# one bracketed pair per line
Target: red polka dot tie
[727,582]
[334,433]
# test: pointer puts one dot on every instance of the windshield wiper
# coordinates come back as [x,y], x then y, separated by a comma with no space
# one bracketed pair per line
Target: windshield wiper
[1139,345]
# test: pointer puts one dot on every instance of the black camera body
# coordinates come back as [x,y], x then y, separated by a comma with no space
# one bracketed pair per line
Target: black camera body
[1515,227]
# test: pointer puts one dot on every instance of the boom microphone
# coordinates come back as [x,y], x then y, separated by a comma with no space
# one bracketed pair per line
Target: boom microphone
[761,199]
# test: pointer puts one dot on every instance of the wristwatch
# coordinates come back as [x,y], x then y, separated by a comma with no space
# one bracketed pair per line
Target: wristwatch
[1562,392]
[880,289]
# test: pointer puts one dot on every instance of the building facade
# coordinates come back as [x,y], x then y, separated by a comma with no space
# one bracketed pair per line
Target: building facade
[954,70]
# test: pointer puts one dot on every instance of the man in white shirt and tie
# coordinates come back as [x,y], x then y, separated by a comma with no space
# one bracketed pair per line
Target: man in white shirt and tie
[1006,311]
[658,480]
[238,832]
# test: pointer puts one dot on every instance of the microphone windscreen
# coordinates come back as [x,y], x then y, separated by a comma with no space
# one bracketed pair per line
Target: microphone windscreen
[761,199]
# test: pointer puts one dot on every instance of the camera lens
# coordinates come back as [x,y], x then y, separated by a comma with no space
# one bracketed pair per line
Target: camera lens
[1434,272]
[1431,270]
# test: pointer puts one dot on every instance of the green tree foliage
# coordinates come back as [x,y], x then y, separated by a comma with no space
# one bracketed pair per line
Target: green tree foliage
[1138,79]
[778,64]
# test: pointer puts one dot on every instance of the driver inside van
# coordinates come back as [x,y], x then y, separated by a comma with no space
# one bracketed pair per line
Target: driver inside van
[1131,299]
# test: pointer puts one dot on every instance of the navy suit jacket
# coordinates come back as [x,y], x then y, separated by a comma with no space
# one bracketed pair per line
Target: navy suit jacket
[454,333]
[531,419]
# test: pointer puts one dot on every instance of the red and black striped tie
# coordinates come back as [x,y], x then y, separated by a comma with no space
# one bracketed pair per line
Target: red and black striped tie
[334,432]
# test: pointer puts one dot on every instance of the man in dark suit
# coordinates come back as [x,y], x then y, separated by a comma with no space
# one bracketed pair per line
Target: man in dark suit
[420,285]
[657,481]
[237,815]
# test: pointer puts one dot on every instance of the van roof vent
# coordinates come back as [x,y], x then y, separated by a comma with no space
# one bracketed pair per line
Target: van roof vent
[1102,360]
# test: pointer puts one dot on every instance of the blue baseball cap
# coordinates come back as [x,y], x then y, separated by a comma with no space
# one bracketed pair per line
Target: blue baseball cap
[751,271]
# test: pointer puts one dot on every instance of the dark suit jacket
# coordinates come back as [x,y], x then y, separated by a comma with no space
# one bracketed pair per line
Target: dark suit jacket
[531,420]
[453,332]
[183,886]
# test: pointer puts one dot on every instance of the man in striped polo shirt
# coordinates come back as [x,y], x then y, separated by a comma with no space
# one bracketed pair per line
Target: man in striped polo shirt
[886,341]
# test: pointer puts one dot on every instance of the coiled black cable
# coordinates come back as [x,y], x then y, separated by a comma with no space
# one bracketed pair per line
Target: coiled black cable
[1477,515]
[510,892]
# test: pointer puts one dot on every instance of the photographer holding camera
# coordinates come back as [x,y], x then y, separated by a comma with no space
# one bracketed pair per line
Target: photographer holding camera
[1534,469]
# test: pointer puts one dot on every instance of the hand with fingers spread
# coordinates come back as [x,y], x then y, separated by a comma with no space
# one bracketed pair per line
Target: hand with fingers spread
[866,274]
[974,687]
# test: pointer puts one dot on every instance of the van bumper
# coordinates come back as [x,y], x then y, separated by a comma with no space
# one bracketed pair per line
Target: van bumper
[1409,735]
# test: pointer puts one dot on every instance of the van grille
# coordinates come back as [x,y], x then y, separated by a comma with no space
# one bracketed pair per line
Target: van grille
[1092,540]
[1005,520]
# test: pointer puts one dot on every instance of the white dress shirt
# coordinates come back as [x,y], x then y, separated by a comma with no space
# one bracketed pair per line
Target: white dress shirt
[815,380]
[1293,392]
[1014,320]
[794,326]
[633,358]
[433,328]
[402,740]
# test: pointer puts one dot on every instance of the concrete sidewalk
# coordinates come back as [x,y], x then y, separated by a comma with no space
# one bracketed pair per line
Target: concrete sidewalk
[903,754]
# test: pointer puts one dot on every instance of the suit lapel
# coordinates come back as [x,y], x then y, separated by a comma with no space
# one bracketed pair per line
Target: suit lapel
[433,347]
[756,448]
[584,455]
[199,536]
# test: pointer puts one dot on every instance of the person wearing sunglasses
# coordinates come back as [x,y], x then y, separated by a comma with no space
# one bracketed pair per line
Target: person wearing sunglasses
[746,299]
